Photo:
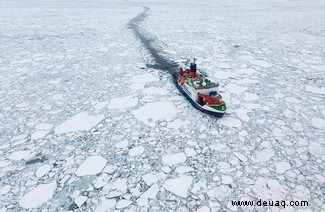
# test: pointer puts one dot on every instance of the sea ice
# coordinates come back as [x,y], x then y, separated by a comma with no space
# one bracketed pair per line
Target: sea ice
[80,200]
[155,111]
[44,126]
[100,105]
[262,63]
[269,189]
[318,122]
[123,204]
[38,196]
[144,78]
[155,91]
[226,179]
[176,124]
[230,122]
[106,205]
[79,122]
[39,134]
[315,90]
[136,151]
[190,152]
[116,187]
[142,201]
[91,166]
[183,169]
[151,193]
[122,144]
[281,167]
[250,96]
[173,159]
[178,186]
[123,102]
[242,114]
[42,170]
[263,155]
[234,88]
[19,155]
[150,179]
[5,189]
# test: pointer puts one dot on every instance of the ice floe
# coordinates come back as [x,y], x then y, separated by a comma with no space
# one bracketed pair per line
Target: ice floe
[151,193]
[230,122]
[80,200]
[123,102]
[173,159]
[155,91]
[39,134]
[236,89]
[146,77]
[151,112]
[91,166]
[150,179]
[281,167]
[38,196]
[318,122]
[42,170]
[315,90]
[106,204]
[116,188]
[123,204]
[19,155]
[5,189]
[179,186]
[79,122]
[136,151]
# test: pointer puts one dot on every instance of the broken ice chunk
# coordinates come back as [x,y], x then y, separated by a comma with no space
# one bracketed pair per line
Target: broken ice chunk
[39,195]
[178,186]
[136,151]
[173,159]
[123,204]
[91,166]
[79,122]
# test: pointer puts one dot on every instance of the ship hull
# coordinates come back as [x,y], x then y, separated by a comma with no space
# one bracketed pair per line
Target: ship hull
[194,103]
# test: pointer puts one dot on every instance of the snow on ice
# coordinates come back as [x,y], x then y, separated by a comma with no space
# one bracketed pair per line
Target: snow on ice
[173,159]
[79,122]
[151,112]
[38,196]
[91,166]
[123,102]
[178,186]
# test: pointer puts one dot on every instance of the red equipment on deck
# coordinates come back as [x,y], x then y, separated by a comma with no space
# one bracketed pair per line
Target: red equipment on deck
[208,99]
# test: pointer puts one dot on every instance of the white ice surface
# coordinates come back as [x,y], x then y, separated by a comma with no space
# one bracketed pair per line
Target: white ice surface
[281,167]
[91,166]
[42,170]
[123,102]
[316,90]
[79,122]
[136,151]
[39,134]
[19,155]
[150,179]
[155,91]
[318,122]
[231,122]
[38,196]
[80,200]
[151,112]
[178,186]
[123,204]
[173,159]
[105,205]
